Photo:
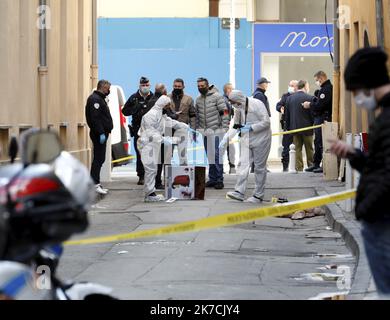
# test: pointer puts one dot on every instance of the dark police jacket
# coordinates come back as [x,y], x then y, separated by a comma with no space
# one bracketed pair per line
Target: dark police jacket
[259,94]
[280,104]
[373,194]
[297,117]
[322,104]
[137,106]
[98,115]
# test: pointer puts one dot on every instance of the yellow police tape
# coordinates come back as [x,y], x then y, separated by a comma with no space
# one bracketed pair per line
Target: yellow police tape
[123,159]
[235,141]
[297,131]
[223,220]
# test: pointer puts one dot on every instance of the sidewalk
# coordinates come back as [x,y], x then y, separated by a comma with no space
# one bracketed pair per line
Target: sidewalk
[270,259]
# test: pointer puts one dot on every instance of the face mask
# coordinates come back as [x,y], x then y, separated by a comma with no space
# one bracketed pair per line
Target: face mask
[203,91]
[366,102]
[178,92]
[291,90]
[318,83]
[145,90]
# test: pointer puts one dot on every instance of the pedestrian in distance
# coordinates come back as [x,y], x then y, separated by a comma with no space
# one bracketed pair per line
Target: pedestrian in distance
[259,94]
[367,77]
[100,123]
[287,138]
[297,117]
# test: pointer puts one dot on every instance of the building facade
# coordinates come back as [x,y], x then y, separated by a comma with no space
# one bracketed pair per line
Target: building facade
[45,83]
[360,26]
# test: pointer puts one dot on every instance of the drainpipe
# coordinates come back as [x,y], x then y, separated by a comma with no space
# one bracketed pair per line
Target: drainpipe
[233,43]
[379,23]
[94,65]
[336,71]
[43,69]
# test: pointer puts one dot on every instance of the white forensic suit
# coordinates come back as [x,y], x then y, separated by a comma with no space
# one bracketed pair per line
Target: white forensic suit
[255,142]
[151,137]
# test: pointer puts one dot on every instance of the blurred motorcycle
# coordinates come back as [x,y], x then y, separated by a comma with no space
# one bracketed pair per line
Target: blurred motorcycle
[44,200]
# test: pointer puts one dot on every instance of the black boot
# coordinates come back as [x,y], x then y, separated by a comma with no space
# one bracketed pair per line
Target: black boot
[141,181]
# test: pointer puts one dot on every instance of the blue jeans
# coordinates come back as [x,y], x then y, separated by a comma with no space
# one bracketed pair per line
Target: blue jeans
[376,238]
[215,163]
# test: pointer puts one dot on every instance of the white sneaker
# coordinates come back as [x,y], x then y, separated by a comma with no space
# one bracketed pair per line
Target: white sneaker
[156,198]
[235,196]
[104,189]
[254,200]
[100,190]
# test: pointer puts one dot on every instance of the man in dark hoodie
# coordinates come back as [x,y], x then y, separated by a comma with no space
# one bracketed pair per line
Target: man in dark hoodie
[367,76]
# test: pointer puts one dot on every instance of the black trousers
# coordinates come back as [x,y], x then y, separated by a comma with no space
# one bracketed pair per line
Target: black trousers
[318,146]
[140,167]
[160,167]
[286,142]
[99,157]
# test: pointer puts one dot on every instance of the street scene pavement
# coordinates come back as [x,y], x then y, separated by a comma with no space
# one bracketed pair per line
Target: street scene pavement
[275,258]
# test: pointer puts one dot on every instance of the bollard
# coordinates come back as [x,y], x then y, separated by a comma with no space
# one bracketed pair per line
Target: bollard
[293,159]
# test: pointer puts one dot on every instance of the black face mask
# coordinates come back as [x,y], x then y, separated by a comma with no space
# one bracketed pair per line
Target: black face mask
[178,92]
[108,93]
[165,111]
[203,91]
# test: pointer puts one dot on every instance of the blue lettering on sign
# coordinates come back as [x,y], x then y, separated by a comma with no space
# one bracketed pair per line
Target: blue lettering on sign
[290,38]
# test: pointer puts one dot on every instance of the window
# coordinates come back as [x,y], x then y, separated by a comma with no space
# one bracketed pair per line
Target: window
[306,11]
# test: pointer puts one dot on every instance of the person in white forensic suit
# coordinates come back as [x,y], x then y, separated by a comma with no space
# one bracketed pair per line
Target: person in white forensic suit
[151,135]
[252,121]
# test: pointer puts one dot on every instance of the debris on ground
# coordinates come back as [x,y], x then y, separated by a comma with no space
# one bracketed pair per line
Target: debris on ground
[331,296]
[310,213]
[320,277]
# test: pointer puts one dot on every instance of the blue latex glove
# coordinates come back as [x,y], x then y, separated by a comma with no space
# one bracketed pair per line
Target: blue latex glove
[167,140]
[247,128]
[103,139]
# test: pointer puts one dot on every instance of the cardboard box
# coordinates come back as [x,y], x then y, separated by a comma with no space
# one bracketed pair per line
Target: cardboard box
[185,183]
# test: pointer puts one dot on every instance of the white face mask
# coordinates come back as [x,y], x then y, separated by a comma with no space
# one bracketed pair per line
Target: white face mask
[318,83]
[366,102]
[291,90]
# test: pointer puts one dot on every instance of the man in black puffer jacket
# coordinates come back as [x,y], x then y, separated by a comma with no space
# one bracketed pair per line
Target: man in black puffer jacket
[367,77]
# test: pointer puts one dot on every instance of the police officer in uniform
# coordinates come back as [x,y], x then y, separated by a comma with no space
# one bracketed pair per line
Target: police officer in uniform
[100,123]
[137,106]
[321,108]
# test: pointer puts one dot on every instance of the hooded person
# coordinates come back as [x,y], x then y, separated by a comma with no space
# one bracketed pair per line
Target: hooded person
[151,135]
[252,121]
[367,76]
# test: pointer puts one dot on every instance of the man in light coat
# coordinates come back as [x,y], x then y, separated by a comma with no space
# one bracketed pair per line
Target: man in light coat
[151,133]
[252,120]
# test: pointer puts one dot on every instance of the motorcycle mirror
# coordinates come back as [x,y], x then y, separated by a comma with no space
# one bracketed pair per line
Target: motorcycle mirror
[13,149]
[40,147]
